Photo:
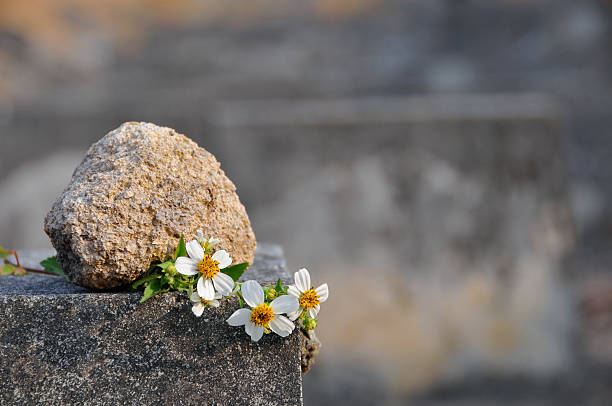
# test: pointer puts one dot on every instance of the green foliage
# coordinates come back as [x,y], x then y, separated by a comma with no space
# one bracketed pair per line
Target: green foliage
[162,278]
[19,271]
[153,288]
[279,285]
[309,324]
[10,269]
[236,271]
[280,289]
[50,265]
[272,292]
[181,250]
[7,269]
[143,280]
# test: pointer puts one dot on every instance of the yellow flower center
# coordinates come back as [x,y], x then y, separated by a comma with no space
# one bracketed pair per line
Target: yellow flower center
[261,315]
[208,267]
[309,299]
[204,302]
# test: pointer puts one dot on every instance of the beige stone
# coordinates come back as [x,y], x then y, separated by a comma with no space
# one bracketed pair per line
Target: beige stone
[136,191]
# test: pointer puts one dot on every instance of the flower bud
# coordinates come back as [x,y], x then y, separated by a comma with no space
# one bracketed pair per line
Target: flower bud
[309,324]
[271,294]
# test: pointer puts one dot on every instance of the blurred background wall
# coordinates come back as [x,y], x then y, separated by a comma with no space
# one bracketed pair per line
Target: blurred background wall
[444,165]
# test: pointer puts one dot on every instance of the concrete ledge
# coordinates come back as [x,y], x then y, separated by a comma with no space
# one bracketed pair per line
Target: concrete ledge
[62,344]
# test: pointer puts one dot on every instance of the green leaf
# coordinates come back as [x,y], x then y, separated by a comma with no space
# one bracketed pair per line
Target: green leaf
[19,271]
[165,265]
[236,271]
[144,279]
[151,290]
[3,253]
[166,281]
[181,251]
[50,265]
[279,285]
[7,269]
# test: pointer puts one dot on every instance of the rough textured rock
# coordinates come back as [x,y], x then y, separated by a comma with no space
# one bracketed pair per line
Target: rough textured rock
[309,349]
[131,197]
[63,344]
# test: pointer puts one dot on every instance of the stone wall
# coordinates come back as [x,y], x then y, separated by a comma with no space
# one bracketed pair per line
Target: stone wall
[357,141]
[391,49]
[64,344]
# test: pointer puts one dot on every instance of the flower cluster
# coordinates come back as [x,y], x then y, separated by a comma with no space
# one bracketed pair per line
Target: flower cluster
[298,302]
[196,266]
[207,275]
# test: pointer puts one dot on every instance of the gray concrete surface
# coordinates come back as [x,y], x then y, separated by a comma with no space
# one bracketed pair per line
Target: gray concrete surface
[63,344]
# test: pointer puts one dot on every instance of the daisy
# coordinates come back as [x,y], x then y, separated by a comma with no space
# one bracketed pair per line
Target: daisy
[309,298]
[199,304]
[211,279]
[206,244]
[263,315]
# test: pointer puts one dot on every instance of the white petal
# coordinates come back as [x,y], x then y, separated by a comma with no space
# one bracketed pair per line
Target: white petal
[218,295]
[213,241]
[281,326]
[252,293]
[285,304]
[249,328]
[196,298]
[206,289]
[223,283]
[302,280]
[214,303]
[313,313]
[198,309]
[186,266]
[256,333]
[194,250]
[293,291]
[323,292]
[294,315]
[239,317]
[223,258]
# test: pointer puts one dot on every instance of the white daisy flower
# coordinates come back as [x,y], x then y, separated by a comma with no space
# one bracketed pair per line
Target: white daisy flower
[309,298]
[200,304]
[206,243]
[211,279]
[263,315]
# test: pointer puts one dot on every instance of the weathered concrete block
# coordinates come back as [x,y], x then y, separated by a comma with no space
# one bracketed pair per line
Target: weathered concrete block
[64,344]
[458,182]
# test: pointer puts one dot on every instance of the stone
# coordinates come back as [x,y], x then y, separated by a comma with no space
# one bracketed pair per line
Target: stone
[309,349]
[69,345]
[136,191]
